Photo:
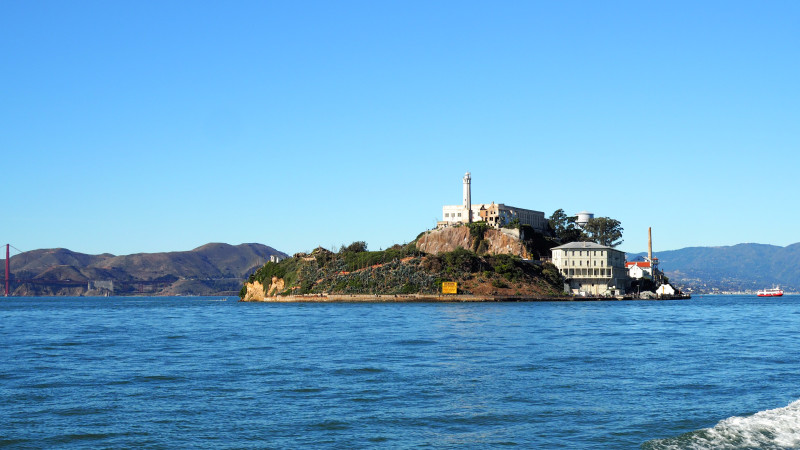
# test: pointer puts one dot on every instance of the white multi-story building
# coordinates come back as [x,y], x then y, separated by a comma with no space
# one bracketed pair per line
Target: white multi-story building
[591,269]
[495,214]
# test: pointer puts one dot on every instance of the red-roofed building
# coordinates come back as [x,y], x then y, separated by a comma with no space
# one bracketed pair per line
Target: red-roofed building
[639,269]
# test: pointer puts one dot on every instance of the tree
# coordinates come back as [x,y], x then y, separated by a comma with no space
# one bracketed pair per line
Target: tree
[604,231]
[355,247]
[564,227]
[513,223]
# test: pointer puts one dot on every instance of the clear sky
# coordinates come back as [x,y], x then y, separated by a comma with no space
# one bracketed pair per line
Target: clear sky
[144,126]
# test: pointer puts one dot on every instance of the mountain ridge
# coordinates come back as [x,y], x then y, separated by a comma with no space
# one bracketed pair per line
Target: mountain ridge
[744,267]
[210,269]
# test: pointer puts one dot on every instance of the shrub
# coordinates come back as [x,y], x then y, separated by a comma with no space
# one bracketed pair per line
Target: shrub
[498,283]
[461,260]
[506,265]
[355,247]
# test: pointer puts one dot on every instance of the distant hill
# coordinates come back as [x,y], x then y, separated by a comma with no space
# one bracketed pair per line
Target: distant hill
[741,267]
[212,269]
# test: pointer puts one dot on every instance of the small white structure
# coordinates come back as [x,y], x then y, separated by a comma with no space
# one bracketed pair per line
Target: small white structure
[665,289]
[275,258]
[640,269]
[591,268]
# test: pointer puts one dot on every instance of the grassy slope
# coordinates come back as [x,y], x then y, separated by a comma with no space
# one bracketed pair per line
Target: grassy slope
[403,270]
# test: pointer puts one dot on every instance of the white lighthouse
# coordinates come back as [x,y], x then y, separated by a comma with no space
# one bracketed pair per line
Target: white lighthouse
[495,214]
[468,196]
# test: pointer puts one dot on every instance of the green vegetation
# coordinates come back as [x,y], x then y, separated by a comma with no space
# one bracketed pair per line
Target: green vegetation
[403,269]
[564,227]
[601,230]
[604,231]
[477,230]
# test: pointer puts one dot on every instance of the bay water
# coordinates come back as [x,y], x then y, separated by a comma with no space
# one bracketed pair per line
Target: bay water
[211,372]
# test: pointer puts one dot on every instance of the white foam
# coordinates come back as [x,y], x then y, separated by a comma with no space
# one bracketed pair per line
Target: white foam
[774,428]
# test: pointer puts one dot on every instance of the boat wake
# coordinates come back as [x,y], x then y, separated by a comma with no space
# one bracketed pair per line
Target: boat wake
[772,429]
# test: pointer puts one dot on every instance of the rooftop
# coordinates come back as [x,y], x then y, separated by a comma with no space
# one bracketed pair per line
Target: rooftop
[583,245]
[637,263]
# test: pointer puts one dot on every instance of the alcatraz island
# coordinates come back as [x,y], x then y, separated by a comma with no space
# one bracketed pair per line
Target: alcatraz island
[477,252]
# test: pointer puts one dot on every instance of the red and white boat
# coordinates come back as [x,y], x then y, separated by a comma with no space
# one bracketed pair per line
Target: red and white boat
[774,292]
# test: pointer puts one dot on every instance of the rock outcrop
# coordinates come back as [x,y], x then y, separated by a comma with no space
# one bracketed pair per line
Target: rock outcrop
[254,292]
[444,240]
[277,286]
[451,238]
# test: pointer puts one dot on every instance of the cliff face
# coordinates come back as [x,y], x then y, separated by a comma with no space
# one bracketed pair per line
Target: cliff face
[253,292]
[448,239]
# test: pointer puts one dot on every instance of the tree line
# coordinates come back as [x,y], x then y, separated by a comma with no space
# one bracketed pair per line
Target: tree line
[601,230]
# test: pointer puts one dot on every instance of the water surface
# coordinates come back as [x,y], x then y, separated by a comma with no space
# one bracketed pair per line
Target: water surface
[212,372]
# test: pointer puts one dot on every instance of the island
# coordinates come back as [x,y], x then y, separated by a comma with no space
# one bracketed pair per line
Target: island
[479,262]
[477,252]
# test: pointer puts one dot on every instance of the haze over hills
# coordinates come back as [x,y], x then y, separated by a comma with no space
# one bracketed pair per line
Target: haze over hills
[736,268]
[212,269]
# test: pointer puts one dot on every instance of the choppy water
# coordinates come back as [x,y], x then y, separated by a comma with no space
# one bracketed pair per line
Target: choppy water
[714,372]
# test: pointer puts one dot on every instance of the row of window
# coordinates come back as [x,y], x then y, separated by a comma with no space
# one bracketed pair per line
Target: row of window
[588,253]
[451,215]
[580,263]
[586,272]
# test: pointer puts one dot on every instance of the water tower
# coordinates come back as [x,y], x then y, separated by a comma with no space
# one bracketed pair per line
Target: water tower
[582,218]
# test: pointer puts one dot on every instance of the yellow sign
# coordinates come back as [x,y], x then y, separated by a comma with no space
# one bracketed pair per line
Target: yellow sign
[449,287]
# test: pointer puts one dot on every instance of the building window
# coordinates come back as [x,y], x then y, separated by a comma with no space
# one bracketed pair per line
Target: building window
[459,214]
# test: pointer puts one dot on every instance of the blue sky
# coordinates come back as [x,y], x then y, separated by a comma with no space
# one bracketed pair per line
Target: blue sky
[132,127]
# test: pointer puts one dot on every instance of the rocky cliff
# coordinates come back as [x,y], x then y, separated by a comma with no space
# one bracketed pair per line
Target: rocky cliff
[490,241]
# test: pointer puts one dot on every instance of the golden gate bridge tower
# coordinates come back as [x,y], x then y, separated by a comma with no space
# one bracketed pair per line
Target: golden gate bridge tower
[7,290]
[7,265]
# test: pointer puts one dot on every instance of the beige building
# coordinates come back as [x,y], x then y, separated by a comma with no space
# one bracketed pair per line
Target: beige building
[591,269]
[495,214]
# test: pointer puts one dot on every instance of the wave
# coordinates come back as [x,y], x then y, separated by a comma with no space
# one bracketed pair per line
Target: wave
[771,429]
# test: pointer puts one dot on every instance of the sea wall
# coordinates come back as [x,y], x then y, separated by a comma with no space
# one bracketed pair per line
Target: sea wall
[425,298]
[412,298]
